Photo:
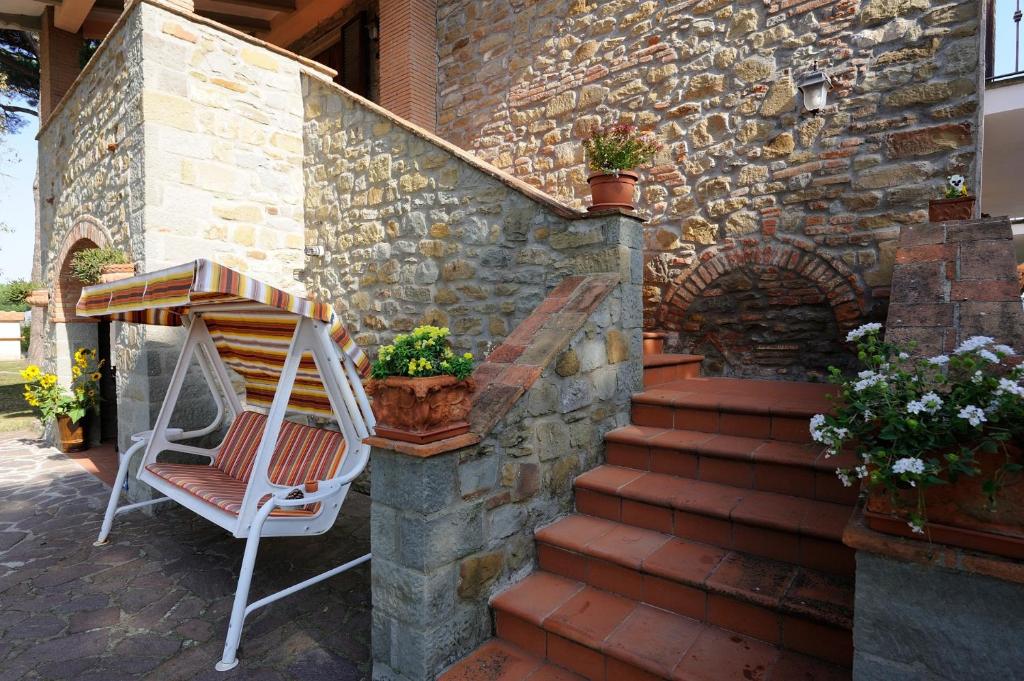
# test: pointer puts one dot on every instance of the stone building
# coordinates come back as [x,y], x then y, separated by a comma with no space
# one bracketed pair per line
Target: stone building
[420,161]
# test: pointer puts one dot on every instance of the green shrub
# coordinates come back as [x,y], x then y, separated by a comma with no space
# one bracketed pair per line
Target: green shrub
[619,147]
[86,264]
[12,295]
[424,352]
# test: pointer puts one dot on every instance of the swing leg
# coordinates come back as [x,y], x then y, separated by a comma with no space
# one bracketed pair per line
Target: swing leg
[115,493]
[238,611]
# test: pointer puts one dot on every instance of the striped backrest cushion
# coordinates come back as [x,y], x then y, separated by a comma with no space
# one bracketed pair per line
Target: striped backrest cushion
[240,444]
[302,453]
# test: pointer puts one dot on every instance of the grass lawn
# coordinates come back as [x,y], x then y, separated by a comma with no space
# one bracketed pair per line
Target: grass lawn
[15,415]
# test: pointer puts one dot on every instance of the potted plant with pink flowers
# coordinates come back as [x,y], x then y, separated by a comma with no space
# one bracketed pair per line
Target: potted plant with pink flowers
[613,154]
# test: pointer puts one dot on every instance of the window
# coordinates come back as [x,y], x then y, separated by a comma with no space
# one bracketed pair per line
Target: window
[350,56]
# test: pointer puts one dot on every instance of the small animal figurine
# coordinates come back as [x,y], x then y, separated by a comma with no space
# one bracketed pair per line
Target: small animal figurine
[956,186]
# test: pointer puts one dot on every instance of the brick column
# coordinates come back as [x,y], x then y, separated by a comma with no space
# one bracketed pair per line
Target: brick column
[408,60]
[58,63]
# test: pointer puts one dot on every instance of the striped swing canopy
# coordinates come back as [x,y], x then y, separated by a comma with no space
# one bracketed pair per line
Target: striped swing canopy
[253,341]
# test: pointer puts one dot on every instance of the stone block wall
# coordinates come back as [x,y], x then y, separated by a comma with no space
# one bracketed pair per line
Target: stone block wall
[222,121]
[451,529]
[954,280]
[809,205]
[416,231]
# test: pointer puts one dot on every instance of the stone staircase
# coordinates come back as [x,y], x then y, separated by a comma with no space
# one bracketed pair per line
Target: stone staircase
[707,548]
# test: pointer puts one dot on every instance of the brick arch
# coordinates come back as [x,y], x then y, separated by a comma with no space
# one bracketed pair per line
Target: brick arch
[88,232]
[841,286]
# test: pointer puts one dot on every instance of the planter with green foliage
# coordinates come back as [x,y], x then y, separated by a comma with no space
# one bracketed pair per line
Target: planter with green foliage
[613,154]
[421,388]
[87,264]
[13,295]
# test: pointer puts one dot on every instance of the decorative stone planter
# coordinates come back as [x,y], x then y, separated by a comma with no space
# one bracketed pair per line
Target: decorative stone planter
[654,342]
[116,272]
[959,513]
[944,210]
[420,410]
[70,436]
[612,190]
[39,297]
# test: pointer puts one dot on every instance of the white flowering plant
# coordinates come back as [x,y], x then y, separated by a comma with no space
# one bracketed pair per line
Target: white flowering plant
[916,423]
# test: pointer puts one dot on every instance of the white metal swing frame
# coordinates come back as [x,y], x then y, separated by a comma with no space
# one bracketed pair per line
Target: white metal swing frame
[351,411]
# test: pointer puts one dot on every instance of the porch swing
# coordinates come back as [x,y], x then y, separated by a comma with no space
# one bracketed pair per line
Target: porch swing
[269,477]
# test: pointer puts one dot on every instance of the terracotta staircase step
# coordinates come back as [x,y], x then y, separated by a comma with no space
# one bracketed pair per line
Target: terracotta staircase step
[751,595]
[603,636]
[769,465]
[498,660]
[748,408]
[665,368]
[802,531]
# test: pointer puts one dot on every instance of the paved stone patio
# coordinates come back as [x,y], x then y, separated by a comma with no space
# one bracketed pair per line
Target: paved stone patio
[154,604]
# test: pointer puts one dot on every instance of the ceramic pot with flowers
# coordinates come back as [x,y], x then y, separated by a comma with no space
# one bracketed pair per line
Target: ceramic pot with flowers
[421,388]
[66,405]
[613,154]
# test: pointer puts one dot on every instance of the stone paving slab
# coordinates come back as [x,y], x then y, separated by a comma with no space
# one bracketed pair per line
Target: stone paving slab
[154,603]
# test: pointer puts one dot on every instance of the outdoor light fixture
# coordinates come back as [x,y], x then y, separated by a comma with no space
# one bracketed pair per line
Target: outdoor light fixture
[815,86]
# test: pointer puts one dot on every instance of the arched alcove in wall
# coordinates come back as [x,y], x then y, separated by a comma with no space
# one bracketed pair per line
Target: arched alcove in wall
[766,310]
[71,331]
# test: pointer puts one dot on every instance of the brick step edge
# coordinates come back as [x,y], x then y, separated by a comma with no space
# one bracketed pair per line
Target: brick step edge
[629,496]
[665,359]
[585,639]
[498,659]
[564,549]
[758,463]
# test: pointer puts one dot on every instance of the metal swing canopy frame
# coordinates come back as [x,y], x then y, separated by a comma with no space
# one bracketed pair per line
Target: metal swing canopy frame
[294,357]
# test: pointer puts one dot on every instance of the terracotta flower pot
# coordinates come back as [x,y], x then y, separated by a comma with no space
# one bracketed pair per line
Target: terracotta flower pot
[116,272]
[944,210]
[420,410]
[959,513]
[70,436]
[39,297]
[654,342]
[612,190]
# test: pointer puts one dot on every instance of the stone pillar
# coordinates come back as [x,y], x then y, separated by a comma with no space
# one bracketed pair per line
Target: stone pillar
[58,63]
[408,60]
[421,527]
[933,612]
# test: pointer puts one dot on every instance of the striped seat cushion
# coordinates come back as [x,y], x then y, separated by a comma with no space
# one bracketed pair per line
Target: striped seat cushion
[216,487]
[302,454]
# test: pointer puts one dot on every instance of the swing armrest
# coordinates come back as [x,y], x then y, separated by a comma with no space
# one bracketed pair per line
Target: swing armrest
[325,490]
[171,434]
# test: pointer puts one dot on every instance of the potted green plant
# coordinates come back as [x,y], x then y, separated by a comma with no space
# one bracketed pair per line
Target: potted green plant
[613,155]
[421,387]
[13,295]
[937,440]
[958,204]
[100,265]
[67,406]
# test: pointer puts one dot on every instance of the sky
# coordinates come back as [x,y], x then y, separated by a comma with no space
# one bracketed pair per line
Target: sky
[18,159]
[16,176]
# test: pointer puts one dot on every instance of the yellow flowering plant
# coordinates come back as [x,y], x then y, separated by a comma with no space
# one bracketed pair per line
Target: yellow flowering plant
[424,352]
[44,392]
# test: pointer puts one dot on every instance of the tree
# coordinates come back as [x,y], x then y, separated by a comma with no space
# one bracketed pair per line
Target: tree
[19,79]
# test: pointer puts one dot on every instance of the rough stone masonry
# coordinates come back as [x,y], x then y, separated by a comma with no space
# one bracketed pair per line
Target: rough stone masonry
[768,226]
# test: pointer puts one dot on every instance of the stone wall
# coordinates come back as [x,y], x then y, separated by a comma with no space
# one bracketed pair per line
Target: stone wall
[810,203]
[451,530]
[223,160]
[416,231]
[91,192]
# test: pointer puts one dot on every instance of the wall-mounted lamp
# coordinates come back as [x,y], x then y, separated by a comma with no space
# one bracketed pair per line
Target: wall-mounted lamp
[815,86]
[316,251]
